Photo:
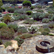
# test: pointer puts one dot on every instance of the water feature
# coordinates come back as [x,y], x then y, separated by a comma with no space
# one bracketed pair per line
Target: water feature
[48,49]
[44,46]
[44,43]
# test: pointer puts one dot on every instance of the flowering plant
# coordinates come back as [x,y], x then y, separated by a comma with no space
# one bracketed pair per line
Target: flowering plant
[5,12]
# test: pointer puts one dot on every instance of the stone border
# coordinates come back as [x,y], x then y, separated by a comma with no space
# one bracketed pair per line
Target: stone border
[44,49]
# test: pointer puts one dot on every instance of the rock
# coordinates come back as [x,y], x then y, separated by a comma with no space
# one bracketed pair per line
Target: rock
[9,48]
[9,53]
[14,44]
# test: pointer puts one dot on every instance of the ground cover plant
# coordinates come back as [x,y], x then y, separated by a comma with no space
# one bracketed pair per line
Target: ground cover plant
[14,26]
[7,44]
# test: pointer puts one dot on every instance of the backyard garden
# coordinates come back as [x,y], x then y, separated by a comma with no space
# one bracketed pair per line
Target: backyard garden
[22,22]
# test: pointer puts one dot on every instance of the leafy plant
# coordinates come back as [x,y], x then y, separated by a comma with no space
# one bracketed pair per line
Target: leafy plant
[2,25]
[26,3]
[50,15]
[45,15]
[19,40]
[52,18]
[51,34]
[39,6]
[29,12]
[45,20]
[51,25]
[21,17]
[7,44]
[41,16]
[20,11]
[22,30]
[8,14]
[51,12]
[32,29]
[6,19]
[6,33]
[14,26]
[24,36]
[29,21]
[45,31]
[16,14]
[39,10]
[3,9]
[11,10]
[32,7]
[0,41]
[36,16]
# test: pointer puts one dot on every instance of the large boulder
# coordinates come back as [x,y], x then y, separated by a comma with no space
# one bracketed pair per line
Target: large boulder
[14,44]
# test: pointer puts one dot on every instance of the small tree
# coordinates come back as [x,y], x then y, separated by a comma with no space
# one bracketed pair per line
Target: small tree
[26,3]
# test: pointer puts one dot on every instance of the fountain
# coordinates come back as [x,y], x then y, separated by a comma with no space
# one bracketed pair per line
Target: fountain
[44,46]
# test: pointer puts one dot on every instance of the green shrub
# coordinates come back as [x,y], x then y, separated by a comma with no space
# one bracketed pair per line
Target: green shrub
[45,31]
[50,15]
[29,21]
[52,18]
[21,17]
[30,16]
[32,30]
[6,33]
[7,44]
[26,3]
[20,11]
[16,14]
[46,15]
[22,30]
[51,12]
[1,19]
[51,34]
[11,10]
[19,40]
[14,26]
[2,25]
[0,41]
[41,16]
[39,10]
[3,9]
[24,36]
[36,16]
[39,6]
[45,20]
[8,14]
[6,19]
[29,12]
[0,10]
[51,25]
[32,7]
